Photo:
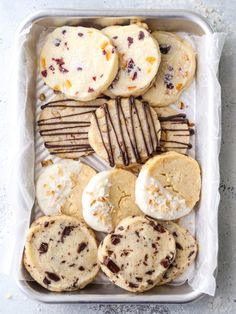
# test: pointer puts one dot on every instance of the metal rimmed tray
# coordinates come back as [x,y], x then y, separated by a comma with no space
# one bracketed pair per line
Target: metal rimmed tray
[169,20]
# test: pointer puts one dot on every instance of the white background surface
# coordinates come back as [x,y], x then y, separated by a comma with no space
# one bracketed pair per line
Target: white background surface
[222,15]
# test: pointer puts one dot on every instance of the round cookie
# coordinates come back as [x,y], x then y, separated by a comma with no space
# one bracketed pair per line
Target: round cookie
[139,59]
[168,186]
[61,253]
[176,71]
[125,132]
[64,124]
[59,187]
[78,61]
[175,130]
[137,254]
[108,198]
[186,251]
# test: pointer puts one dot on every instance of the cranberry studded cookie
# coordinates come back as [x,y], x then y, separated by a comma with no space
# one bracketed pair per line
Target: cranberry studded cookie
[176,71]
[78,61]
[64,124]
[168,186]
[59,187]
[61,253]
[108,198]
[137,254]
[186,251]
[139,59]
[125,132]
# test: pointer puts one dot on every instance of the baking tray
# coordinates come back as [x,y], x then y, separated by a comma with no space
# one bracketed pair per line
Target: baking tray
[169,20]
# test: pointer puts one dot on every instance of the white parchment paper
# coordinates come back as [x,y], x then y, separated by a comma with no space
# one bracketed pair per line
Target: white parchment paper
[203,108]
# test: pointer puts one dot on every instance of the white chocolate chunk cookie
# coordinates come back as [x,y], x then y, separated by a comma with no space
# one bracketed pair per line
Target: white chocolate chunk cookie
[175,130]
[125,132]
[168,186]
[139,59]
[59,187]
[78,61]
[64,124]
[108,198]
[61,253]
[137,254]
[186,251]
[176,71]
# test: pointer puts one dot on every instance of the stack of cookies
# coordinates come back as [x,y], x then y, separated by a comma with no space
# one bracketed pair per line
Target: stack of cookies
[114,87]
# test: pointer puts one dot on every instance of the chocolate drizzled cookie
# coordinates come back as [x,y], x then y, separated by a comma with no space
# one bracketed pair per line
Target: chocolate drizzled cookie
[64,125]
[125,131]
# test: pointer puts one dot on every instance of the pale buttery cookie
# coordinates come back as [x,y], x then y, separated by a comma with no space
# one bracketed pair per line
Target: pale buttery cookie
[175,130]
[59,187]
[61,253]
[168,186]
[139,59]
[137,254]
[186,251]
[125,132]
[64,124]
[176,71]
[108,198]
[78,61]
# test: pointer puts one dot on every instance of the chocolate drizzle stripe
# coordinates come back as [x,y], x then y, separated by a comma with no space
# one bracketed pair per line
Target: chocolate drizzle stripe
[135,152]
[144,105]
[176,142]
[65,116]
[172,117]
[125,153]
[110,159]
[123,126]
[132,103]
[62,122]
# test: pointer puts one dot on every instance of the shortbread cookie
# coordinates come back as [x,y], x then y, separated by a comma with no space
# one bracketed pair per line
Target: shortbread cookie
[175,130]
[108,198]
[139,59]
[64,124]
[137,254]
[59,187]
[125,132]
[168,186]
[78,61]
[61,253]
[186,251]
[176,71]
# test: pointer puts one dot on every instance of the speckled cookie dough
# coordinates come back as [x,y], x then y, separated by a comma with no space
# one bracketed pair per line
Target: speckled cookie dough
[137,254]
[78,61]
[186,251]
[176,71]
[61,253]
[139,59]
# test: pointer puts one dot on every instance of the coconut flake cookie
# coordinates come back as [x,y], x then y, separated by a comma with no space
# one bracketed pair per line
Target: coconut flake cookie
[78,61]
[168,186]
[108,198]
[186,251]
[137,254]
[125,132]
[139,59]
[59,187]
[61,253]
[64,124]
[176,71]
[175,130]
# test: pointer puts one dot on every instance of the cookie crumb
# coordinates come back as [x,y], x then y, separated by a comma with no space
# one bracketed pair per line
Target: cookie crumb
[46,163]
[181,105]
[42,97]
